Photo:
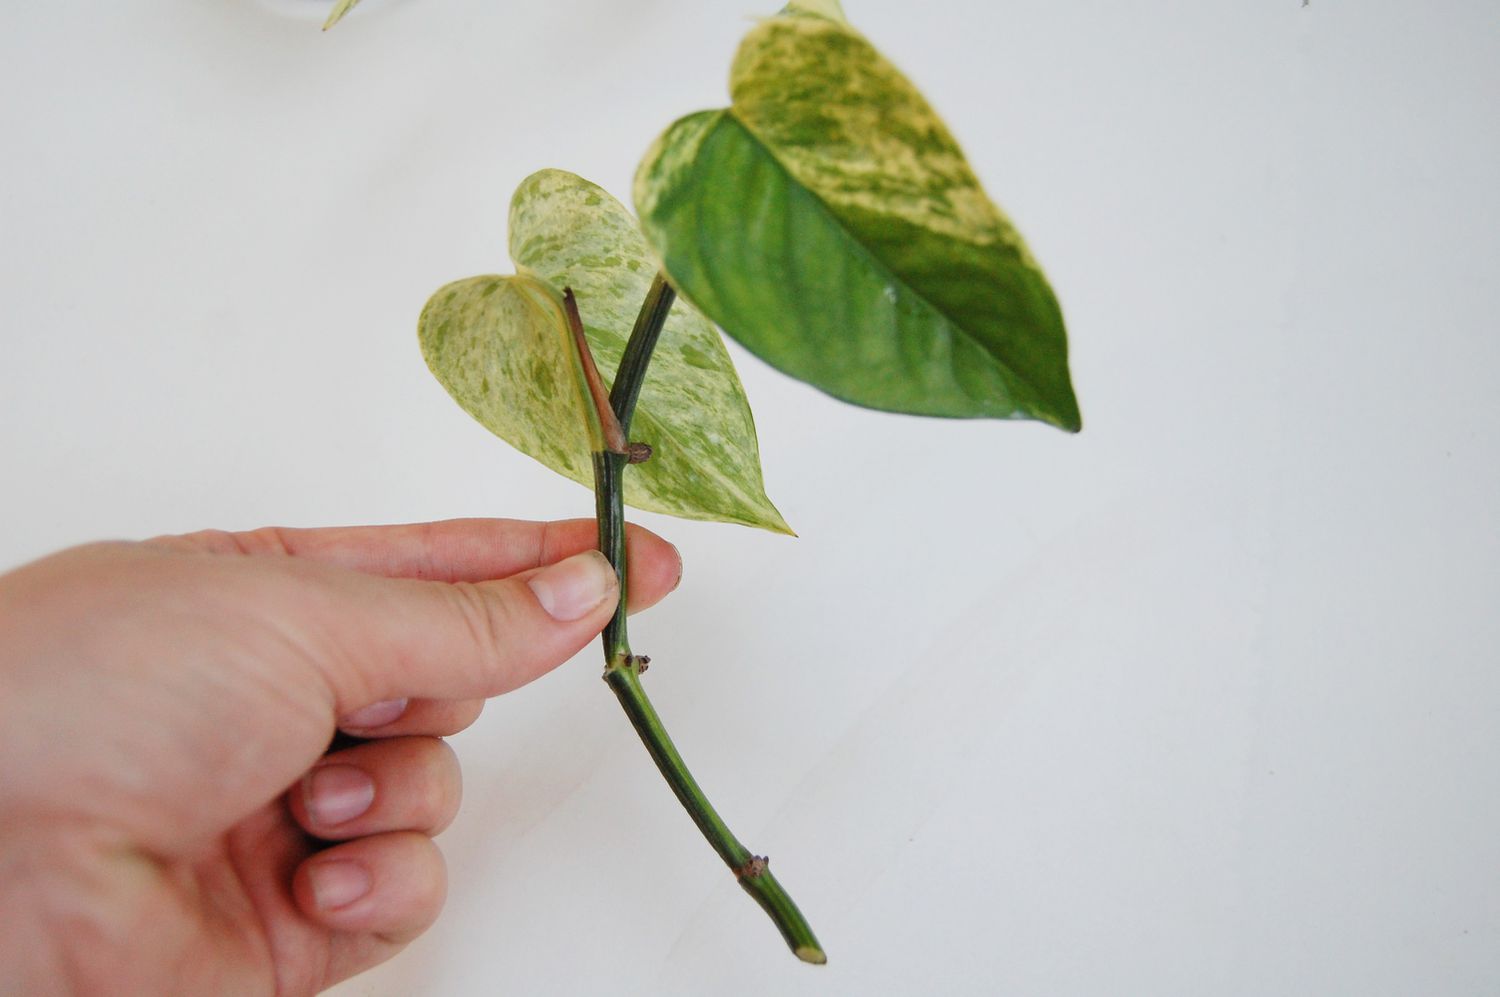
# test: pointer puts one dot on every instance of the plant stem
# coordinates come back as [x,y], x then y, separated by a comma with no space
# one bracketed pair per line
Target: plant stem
[622,669]
[609,468]
[609,508]
[639,347]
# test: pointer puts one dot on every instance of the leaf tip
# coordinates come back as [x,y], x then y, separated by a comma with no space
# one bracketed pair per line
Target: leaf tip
[831,10]
[1069,420]
[762,514]
[774,522]
[1066,418]
[337,13]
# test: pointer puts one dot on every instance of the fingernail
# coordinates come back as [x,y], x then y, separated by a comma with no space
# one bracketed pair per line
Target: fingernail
[571,589]
[679,566]
[338,884]
[334,794]
[375,715]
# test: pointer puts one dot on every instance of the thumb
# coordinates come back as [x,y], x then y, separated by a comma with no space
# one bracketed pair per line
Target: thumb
[462,640]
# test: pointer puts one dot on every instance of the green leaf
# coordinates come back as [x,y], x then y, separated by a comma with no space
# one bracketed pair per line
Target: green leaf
[339,10]
[501,347]
[829,222]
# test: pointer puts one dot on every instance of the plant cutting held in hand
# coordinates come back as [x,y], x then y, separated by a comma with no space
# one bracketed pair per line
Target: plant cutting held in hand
[827,221]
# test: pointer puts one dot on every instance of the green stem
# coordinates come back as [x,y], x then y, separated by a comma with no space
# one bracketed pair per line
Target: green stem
[751,870]
[609,468]
[639,347]
[609,508]
[622,669]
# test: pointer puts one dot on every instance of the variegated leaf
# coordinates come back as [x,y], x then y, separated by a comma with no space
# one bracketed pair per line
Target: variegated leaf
[828,221]
[501,347]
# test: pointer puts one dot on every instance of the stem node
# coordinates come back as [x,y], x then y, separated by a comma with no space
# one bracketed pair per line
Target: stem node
[755,868]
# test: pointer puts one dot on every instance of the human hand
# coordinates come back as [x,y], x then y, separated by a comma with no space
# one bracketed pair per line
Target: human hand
[166,802]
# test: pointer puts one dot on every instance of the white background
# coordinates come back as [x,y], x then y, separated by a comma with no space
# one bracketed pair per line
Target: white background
[1203,700]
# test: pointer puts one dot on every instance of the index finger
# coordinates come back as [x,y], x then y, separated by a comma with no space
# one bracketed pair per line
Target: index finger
[454,550]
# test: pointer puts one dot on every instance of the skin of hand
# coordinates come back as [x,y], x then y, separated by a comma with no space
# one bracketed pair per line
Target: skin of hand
[175,814]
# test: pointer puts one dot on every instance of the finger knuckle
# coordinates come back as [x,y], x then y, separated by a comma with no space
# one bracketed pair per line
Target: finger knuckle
[487,618]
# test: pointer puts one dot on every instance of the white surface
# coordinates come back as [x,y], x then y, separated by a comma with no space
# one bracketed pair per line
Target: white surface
[1204,700]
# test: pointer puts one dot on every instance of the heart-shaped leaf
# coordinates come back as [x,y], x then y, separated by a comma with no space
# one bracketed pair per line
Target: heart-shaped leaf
[502,348]
[829,222]
[339,10]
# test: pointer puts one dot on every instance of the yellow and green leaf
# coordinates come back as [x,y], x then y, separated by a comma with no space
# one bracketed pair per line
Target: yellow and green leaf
[828,221]
[501,347]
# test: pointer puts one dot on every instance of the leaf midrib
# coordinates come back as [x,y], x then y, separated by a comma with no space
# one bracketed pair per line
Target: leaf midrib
[876,262]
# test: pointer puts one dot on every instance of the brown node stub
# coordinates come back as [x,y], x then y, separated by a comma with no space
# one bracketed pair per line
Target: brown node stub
[754,868]
[641,662]
[639,452]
